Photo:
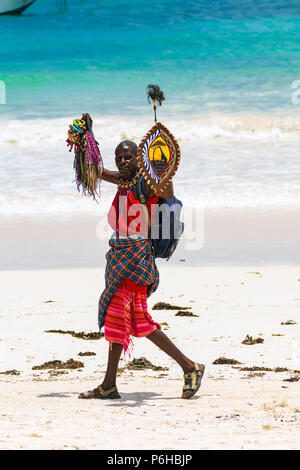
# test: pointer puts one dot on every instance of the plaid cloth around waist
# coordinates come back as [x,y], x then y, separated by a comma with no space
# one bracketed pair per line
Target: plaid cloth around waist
[127,258]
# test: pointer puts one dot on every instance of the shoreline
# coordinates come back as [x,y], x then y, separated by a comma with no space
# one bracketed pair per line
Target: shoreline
[229,236]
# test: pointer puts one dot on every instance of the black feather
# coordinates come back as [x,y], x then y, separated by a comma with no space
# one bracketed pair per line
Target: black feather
[154,93]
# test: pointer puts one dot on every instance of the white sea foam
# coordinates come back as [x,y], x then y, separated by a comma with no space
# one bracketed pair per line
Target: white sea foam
[46,133]
[227,161]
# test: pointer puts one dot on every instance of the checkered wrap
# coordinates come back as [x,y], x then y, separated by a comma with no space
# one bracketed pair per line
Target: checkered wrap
[127,258]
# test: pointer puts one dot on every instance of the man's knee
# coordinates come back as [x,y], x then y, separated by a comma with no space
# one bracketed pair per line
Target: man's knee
[153,334]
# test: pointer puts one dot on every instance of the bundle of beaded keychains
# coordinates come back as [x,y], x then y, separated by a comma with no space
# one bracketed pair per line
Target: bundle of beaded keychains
[88,163]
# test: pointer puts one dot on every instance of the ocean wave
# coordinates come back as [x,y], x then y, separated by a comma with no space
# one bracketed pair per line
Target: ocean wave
[227,161]
[50,133]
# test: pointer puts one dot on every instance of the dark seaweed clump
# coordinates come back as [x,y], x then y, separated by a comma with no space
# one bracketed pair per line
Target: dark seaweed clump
[11,372]
[70,364]
[250,340]
[87,353]
[181,313]
[143,363]
[255,369]
[292,379]
[224,360]
[265,369]
[81,334]
[166,306]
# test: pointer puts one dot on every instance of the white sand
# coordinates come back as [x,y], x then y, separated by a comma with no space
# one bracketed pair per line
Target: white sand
[233,410]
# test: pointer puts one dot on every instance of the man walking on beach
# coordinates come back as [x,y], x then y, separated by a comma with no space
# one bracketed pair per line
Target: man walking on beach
[131,276]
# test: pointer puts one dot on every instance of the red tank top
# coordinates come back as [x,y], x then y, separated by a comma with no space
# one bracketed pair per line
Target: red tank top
[127,215]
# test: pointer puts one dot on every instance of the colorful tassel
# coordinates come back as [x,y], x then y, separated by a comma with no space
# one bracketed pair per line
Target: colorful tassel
[88,163]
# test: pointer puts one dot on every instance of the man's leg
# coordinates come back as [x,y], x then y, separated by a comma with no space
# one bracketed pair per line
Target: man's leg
[114,354]
[160,339]
[165,344]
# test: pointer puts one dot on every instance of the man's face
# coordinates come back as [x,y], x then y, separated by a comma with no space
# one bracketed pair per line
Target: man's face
[126,161]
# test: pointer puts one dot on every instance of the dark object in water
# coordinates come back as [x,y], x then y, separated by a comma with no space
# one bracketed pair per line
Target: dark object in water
[81,335]
[289,322]
[143,363]
[69,364]
[11,372]
[16,10]
[87,353]
[250,340]
[181,313]
[224,360]
[166,306]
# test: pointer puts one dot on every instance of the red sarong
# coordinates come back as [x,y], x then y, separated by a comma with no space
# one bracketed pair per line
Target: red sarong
[127,315]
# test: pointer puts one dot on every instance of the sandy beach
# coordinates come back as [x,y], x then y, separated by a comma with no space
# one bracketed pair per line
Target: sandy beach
[229,81]
[251,405]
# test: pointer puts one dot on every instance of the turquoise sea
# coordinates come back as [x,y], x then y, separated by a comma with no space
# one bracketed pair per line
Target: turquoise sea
[219,55]
[227,68]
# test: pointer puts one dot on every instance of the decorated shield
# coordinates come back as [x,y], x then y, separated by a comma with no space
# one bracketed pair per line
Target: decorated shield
[158,156]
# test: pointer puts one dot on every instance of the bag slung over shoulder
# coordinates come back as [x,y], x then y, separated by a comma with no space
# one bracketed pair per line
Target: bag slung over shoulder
[166,228]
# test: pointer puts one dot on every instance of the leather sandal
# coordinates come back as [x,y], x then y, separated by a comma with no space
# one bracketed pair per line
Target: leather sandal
[100,393]
[192,381]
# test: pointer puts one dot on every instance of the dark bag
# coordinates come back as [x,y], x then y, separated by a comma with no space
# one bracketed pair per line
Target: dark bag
[167,228]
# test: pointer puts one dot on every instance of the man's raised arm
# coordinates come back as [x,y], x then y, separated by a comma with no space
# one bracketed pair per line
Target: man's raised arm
[110,176]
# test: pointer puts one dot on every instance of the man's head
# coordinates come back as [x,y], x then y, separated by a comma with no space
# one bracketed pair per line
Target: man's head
[126,160]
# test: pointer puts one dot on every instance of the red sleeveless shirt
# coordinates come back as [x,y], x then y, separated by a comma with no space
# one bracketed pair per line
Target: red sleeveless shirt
[127,216]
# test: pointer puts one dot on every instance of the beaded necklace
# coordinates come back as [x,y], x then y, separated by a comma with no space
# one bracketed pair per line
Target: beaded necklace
[123,184]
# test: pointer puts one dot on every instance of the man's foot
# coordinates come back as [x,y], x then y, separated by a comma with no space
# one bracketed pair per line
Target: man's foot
[99,392]
[192,381]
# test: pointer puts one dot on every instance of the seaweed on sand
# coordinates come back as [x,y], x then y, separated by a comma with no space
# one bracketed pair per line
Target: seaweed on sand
[55,372]
[69,364]
[143,363]
[250,340]
[166,306]
[292,379]
[11,372]
[255,369]
[81,334]
[224,360]
[181,313]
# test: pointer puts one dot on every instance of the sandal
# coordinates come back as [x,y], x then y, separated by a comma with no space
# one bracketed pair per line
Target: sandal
[193,381]
[100,393]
